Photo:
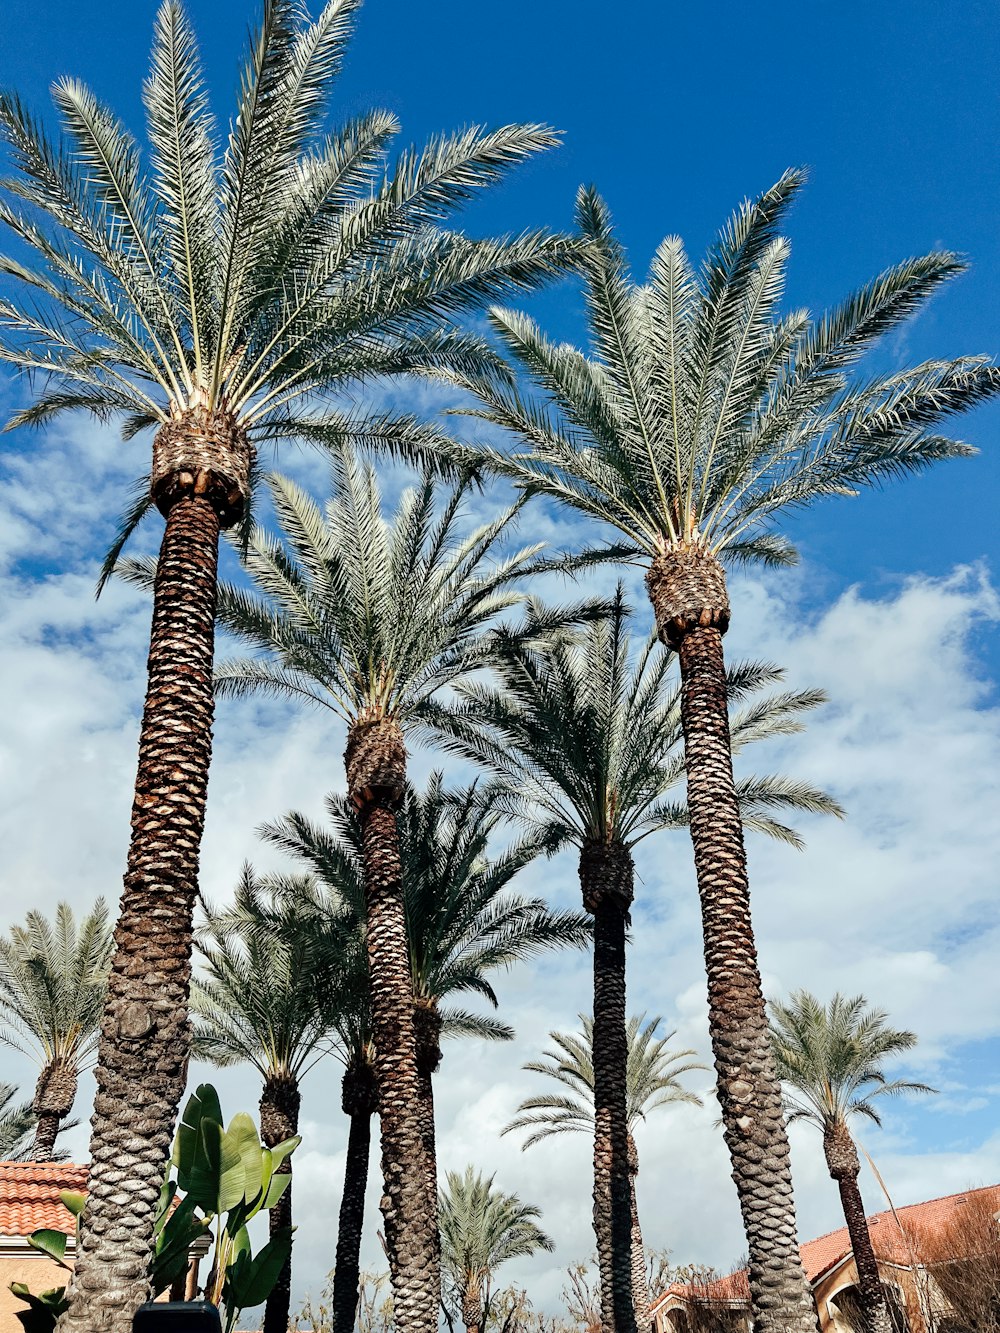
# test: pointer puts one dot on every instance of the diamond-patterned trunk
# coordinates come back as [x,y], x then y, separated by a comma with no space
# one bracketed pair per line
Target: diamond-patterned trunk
[844,1166]
[606,875]
[360,1102]
[145,1033]
[376,774]
[427,1030]
[55,1093]
[279,1120]
[640,1287]
[688,591]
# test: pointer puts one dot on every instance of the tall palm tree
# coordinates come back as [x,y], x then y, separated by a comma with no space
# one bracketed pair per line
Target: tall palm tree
[217,298]
[701,416]
[53,980]
[371,619]
[653,1079]
[830,1059]
[481,1228]
[268,995]
[462,924]
[586,743]
[17,1126]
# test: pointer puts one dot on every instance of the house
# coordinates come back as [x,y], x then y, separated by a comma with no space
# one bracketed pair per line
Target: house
[902,1240]
[29,1201]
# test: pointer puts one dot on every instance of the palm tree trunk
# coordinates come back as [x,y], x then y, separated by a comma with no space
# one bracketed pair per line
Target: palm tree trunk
[688,592]
[360,1102]
[279,1120]
[145,1039]
[55,1093]
[606,881]
[640,1287]
[844,1167]
[376,773]
[427,1027]
[472,1308]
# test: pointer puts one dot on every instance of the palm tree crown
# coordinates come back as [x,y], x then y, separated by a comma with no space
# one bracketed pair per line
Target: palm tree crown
[241,284]
[267,993]
[653,1075]
[585,735]
[481,1228]
[462,920]
[704,411]
[830,1057]
[365,616]
[53,980]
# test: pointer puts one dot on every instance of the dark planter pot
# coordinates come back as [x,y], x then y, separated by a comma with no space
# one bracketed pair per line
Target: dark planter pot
[177,1317]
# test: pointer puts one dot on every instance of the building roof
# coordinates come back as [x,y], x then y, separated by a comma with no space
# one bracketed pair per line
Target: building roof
[825,1252]
[29,1196]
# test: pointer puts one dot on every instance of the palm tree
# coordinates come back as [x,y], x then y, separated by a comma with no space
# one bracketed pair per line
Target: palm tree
[462,923]
[587,746]
[371,620]
[481,1228]
[701,416]
[217,298]
[653,1073]
[268,996]
[17,1126]
[53,979]
[830,1060]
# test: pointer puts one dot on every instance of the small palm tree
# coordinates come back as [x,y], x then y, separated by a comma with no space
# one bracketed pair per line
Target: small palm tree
[586,744]
[370,620]
[705,413]
[17,1126]
[830,1059]
[481,1228]
[53,980]
[267,995]
[652,1080]
[223,300]
[462,922]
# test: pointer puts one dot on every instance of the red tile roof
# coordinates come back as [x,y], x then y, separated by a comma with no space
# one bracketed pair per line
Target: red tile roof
[823,1253]
[29,1196]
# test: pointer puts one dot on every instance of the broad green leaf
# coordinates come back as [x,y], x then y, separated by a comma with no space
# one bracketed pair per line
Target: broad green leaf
[232,1177]
[74,1201]
[52,1243]
[275,1190]
[242,1132]
[256,1285]
[284,1149]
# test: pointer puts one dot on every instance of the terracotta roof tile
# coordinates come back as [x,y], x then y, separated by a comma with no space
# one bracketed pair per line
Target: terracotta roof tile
[821,1254]
[29,1196]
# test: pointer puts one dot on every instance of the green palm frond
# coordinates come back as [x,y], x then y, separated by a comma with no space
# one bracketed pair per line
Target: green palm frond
[464,924]
[364,614]
[652,1076]
[704,411]
[262,273]
[583,733]
[830,1057]
[274,980]
[17,1126]
[53,978]
[482,1228]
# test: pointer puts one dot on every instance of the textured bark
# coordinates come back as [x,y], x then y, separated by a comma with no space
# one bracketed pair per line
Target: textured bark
[145,1034]
[844,1166]
[427,1030]
[55,1093]
[360,1102]
[472,1308]
[606,880]
[640,1287]
[279,1120]
[687,589]
[376,770]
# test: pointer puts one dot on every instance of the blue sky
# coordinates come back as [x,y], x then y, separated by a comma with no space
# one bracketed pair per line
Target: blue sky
[675,113]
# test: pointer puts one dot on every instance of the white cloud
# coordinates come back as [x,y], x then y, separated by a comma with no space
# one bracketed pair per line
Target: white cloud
[895,902]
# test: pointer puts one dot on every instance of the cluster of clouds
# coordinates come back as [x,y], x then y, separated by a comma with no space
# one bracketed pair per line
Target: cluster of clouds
[896,901]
